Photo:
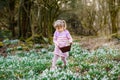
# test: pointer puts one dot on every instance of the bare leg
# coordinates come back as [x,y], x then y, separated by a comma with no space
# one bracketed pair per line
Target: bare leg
[64,60]
[55,58]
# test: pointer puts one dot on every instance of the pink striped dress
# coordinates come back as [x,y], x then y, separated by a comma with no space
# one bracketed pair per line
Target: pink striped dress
[61,39]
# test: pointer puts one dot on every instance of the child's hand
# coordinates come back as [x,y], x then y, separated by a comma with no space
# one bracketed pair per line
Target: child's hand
[56,44]
[70,43]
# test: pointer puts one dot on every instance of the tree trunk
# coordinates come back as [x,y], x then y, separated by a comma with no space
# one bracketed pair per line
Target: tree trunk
[24,18]
[48,14]
[11,16]
[114,9]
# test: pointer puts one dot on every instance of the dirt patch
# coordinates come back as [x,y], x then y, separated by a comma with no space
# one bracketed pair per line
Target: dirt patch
[92,43]
[3,51]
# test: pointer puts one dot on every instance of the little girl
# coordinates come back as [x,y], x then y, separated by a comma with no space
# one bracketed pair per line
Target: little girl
[61,38]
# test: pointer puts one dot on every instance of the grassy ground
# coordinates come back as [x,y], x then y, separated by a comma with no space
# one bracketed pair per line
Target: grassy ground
[33,62]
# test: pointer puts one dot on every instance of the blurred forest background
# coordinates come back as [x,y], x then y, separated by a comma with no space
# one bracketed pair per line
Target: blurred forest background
[33,19]
[26,46]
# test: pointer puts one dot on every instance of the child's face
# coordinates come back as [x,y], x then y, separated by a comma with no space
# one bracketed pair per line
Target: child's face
[60,29]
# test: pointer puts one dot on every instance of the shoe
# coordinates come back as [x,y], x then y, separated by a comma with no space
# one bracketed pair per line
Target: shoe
[53,68]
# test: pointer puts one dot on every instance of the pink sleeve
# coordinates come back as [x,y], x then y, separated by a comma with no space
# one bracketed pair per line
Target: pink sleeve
[69,37]
[55,38]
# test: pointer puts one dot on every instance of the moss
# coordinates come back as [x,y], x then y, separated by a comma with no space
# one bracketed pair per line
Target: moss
[39,39]
[1,44]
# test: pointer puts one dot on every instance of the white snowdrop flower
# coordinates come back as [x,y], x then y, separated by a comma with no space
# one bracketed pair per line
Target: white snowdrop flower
[105,78]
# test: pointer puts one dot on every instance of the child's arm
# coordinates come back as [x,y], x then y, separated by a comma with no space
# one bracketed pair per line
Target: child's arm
[69,37]
[55,38]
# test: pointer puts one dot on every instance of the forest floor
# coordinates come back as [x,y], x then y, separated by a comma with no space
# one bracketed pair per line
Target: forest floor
[92,42]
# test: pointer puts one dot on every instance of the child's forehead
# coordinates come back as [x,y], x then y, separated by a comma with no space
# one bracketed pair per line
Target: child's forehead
[58,26]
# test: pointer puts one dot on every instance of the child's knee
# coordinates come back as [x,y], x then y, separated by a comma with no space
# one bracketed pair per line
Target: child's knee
[63,58]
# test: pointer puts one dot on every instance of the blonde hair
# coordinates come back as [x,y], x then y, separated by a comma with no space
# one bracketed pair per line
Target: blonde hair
[61,23]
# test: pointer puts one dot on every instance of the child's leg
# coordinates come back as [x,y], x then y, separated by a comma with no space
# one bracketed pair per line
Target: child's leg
[54,60]
[64,60]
